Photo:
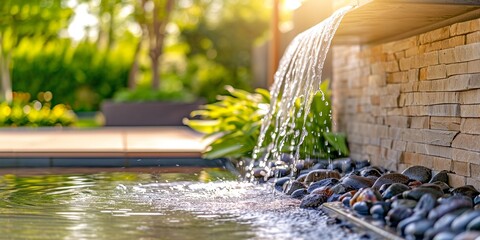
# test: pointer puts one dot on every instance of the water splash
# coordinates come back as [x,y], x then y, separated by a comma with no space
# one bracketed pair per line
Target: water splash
[298,78]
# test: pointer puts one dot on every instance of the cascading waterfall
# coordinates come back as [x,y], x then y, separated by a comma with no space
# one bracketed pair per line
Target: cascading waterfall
[298,78]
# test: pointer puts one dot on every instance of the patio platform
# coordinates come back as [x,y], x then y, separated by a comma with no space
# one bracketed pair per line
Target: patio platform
[115,146]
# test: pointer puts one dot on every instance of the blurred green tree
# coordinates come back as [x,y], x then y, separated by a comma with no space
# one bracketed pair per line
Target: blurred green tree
[20,19]
[153,17]
[110,21]
[220,35]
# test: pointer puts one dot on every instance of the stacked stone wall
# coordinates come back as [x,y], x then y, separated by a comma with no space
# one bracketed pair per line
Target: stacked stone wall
[415,101]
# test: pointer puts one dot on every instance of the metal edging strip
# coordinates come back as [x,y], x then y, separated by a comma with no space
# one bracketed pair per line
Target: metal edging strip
[336,209]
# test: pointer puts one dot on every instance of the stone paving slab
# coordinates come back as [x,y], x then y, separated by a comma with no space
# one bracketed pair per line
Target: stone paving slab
[121,142]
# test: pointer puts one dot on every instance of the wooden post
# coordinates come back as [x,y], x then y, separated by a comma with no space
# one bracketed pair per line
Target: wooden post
[274,42]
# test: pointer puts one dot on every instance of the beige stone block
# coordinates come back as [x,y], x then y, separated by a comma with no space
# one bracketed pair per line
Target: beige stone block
[425,160]
[402,99]
[436,72]
[403,44]
[408,99]
[372,150]
[432,137]
[409,87]
[453,42]
[465,155]
[431,98]
[383,153]
[389,101]
[402,167]
[473,66]
[422,74]
[374,91]
[413,75]
[377,80]
[434,46]
[475,170]
[420,122]
[438,137]
[470,111]
[379,111]
[413,51]
[473,37]
[453,29]
[397,121]
[375,100]
[461,168]
[393,155]
[377,68]
[415,111]
[439,151]
[435,35]
[412,135]
[474,182]
[453,83]
[470,96]
[464,27]
[393,165]
[391,57]
[419,148]
[456,180]
[426,59]
[406,63]
[392,160]
[445,123]
[422,49]
[474,81]
[395,133]
[467,142]
[447,56]
[467,52]
[355,140]
[386,143]
[445,110]
[379,120]
[381,131]
[397,77]
[392,66]
[475,24]
[471,126]
[374,141]
[393,89]
[399,145]
[457,68]
[409,158]
[399,55]
[440,164]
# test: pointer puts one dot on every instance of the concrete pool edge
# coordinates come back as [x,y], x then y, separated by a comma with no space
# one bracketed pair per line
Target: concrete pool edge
[108,142]
[38,162]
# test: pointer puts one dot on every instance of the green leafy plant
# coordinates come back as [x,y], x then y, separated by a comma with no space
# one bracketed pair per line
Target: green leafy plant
[38,113]
[235,121]
[78,75]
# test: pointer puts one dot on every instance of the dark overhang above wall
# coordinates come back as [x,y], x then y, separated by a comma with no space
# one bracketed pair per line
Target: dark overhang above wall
[376,21]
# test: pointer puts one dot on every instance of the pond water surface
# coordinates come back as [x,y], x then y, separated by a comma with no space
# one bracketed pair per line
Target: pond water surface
[150,204]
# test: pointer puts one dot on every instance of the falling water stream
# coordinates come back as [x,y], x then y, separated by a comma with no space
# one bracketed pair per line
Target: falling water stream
[162,205]
[298,78]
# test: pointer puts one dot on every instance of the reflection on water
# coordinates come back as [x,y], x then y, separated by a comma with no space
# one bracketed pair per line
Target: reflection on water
[125,205]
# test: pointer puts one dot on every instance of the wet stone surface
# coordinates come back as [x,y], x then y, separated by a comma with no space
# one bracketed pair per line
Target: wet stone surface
[415,204]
